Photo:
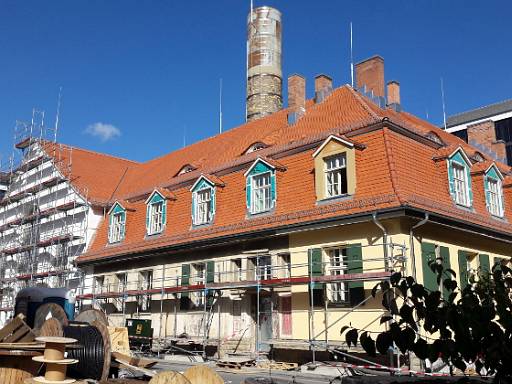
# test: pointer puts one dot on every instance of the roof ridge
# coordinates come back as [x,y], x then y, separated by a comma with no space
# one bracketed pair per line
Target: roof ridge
[72,147]
[480,108]
[363,102]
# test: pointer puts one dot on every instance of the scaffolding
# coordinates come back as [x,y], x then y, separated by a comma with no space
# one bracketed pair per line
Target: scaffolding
[43,216]
[333,276]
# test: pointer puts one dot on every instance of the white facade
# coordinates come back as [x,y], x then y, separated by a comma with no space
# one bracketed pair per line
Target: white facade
[43,225]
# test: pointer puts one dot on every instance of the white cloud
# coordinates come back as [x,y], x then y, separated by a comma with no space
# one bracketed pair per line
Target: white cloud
[103,131]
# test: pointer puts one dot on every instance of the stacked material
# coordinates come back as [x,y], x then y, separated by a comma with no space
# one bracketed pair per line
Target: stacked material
[56,363]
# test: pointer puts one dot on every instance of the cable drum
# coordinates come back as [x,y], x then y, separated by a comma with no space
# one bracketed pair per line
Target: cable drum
[92,351]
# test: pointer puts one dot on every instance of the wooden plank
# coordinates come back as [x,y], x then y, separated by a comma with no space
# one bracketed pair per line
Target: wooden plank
[135,361]
[119,339]
[17,335]
[134,368]
[11,326]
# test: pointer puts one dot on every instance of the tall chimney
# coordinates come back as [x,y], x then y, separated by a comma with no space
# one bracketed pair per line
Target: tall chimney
[370,74]
[264,74]
[296,97]
[394,94]
[323,87]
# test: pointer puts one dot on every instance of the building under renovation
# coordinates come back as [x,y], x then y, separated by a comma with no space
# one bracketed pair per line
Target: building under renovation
[49,209]
[271,235]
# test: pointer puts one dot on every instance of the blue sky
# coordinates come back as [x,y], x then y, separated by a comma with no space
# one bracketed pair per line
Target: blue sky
[146,71]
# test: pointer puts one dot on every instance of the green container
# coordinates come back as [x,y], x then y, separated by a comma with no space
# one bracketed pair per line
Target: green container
[139,328]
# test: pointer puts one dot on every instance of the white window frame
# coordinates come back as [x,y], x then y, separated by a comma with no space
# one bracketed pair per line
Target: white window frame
[203,207]
[264,270]
[261,195]
[338,291]
[117,226]
[495,203]
[156,217]
[460,185]
[333,179]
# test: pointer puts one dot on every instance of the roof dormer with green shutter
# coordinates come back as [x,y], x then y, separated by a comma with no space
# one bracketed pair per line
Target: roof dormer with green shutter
[459,178]
[156,213]
[117,223]
[203,201]
[493,186]
[260,190]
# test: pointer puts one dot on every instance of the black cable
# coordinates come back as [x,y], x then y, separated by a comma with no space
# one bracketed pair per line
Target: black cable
[89,351]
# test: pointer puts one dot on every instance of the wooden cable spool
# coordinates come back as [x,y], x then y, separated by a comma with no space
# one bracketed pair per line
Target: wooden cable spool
[91,315]
[51,327]
[56,363]
[169,377]
[201,374]
[47,311]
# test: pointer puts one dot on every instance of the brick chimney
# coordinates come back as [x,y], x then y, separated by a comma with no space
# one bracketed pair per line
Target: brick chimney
[296,97]
[370,74]
[323,87]
[483,136]
[393,89]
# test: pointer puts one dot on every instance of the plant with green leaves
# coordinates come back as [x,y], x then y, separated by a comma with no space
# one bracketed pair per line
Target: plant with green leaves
[472,325]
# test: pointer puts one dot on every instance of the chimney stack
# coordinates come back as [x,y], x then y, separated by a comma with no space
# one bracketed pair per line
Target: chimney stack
[370,75]
[323,87]
[394,95]
[296,97]
[264,74]
[483,136]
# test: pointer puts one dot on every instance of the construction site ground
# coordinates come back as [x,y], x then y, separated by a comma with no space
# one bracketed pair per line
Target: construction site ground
[238,376]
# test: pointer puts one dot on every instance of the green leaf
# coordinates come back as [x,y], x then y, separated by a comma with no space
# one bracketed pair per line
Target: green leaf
[374,290]
[420,349]
[407,314]
[343,329]
[383,319]
[351,337]
[384,342]
[395,278]
[368,344]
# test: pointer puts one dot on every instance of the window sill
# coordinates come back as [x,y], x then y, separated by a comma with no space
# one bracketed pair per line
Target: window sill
[153,235]
[467,208]
[250,215]
[499,218]
[203,225]
[114,243]
[334,199]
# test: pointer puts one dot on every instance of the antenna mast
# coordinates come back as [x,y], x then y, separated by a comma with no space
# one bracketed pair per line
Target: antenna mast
[57,116]
[443,102]
[220,105]
[351,57]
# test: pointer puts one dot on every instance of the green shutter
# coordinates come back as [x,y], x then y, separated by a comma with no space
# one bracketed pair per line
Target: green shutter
[210,271]
[212,205]
[185,278]
[450,179]
[428,253]
[463,269]
[248,191]
[470,190]
[355,265]
[498,260]
[273,188]
[194,197]
[484,263]
[444,252]
[148,207]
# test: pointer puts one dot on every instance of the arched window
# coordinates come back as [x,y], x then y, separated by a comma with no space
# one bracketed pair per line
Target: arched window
[117,223]
[260,187]
[460,178]
[155,213]
[203,201]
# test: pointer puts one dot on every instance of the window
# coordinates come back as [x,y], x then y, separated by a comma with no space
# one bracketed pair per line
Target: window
[199,278]
[145,283]
[120,284]
[460,185]
[494,201]
[117,225]
[286,265]
[264,268]
[203,206]
[99,282]
[156,222]
[261,193]
[237,270]
[338,291]
[335,175]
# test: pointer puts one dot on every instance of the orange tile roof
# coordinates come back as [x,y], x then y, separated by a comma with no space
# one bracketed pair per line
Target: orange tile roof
[96,175]
[394,168]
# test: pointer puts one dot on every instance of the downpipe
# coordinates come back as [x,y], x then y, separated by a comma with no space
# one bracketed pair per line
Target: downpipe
[411,242]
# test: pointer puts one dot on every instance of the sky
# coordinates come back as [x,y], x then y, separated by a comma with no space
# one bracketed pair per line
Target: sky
[141,78]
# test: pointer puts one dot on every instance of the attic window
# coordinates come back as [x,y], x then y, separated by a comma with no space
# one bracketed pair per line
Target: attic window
[434,137]
[477,156]
[186,169]
[256,147]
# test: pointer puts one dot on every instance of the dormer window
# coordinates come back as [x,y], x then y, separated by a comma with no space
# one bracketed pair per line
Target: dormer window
[256,147]
[203,201]
[260,187]
[434,137]
[155,213]
[117,224]
[335,168]
[186,169]
[460,179]
[494,191]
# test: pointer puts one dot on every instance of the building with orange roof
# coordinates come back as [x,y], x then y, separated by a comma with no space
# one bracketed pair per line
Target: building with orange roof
[271,235]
